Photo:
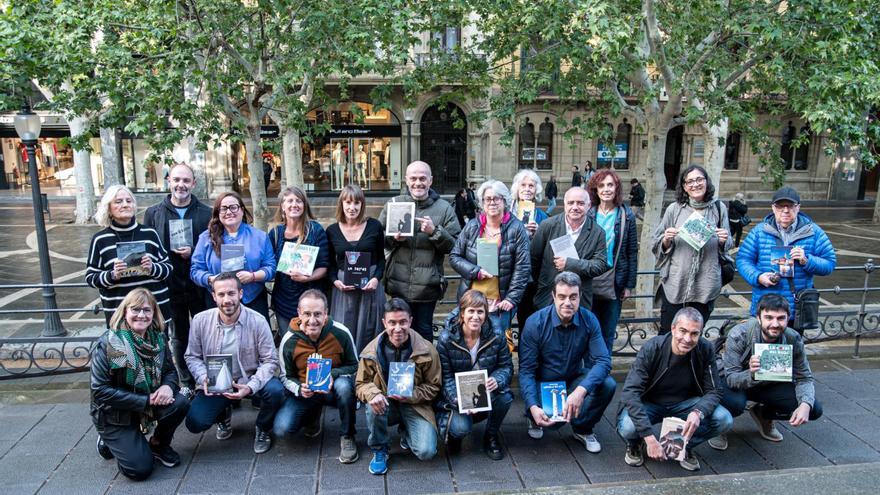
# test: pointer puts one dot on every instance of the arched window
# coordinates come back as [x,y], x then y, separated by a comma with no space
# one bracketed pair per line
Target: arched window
[535,149]
[622,136]
[731,151]
[786,152]
[802,152]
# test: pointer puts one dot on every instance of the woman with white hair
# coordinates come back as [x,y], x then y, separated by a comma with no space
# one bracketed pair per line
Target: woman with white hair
[526,190]
[141,262]
[492,255]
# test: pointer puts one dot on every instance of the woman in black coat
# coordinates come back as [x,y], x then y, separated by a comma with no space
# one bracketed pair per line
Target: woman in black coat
[735,213]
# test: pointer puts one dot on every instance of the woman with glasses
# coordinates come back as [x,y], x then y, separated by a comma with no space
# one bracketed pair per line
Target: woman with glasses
[126,255]
[134,389]
[492,255]
[687,244]
[231,244]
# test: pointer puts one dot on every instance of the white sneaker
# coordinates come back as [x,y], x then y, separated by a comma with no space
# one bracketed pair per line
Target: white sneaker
[590,442]
[535,431]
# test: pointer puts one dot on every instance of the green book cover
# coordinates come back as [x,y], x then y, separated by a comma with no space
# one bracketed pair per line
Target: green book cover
[487,256]
[776,362]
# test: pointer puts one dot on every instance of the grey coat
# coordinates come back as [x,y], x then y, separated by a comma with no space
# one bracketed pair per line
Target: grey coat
[514,266]
[592,261]
[740,345]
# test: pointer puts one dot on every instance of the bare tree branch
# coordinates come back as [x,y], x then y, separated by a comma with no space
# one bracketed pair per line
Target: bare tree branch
[655,43]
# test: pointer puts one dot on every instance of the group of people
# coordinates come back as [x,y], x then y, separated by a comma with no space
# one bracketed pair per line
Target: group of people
[564,277]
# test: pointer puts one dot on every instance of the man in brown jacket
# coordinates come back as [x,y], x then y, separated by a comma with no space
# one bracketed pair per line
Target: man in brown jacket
[408,403]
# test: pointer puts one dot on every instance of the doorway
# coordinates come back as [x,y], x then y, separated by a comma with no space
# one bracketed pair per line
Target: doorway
[672,158]
[444,147]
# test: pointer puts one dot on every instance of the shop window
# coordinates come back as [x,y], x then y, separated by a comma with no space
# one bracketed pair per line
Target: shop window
[622,137]
[802,152]
[795,157]
[731,151]
[535,150]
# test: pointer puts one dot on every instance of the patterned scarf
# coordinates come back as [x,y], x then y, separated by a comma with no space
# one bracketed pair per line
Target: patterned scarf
[141,360]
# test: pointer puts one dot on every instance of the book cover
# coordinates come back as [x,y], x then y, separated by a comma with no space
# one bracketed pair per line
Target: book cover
[473,396]
[356,271]
[298,259]
[318,373]
[180,233]
[400,218]
[487,256]
[776,362]
[131,253]
[672,438]
[231,257]
[401,378]
[525,211]
[696,231]
[553,397]
[781,261]
[219,368]
[564,247]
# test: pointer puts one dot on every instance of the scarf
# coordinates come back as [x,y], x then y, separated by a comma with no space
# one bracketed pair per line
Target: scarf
[140,358]
[698,258]
[484,218]
[698,205]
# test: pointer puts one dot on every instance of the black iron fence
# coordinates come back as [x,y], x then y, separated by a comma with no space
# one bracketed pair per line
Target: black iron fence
[44,356]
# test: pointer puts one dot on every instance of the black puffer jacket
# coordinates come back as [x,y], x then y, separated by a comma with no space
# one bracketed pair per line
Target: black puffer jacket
[112,401]
[514,258]
[493,356]
[628,260]
[157,217]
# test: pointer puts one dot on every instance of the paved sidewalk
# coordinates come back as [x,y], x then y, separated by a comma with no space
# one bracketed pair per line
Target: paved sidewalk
[47,446]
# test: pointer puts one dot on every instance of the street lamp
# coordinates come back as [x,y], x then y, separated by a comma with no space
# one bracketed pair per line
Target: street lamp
[27,126]
[408,115]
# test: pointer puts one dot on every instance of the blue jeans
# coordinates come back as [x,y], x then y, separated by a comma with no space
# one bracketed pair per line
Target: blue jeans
[460,425]
[423,318]
[720,422]
[206,410]
[299,411]
[420,434]
[551,205]
[607,311]
[594,404]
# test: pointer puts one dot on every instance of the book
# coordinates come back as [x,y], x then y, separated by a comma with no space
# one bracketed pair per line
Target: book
[401,378]
[564,247]
[553,397]
[231,257]
[131,253]
[356,271]
[525,211]
[298,259]
[219,368]
[400,218]
[487,256]
[318,373]
[776,362]
[696,231]
[180,233]
[473,396]
[781,261]
[672,439]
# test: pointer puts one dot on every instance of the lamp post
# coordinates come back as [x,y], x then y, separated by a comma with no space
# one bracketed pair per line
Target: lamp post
[408,115]
[27,126]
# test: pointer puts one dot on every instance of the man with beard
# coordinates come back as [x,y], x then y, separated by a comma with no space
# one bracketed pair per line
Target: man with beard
[234,329]
[186,298]
[414,271]
[793,401]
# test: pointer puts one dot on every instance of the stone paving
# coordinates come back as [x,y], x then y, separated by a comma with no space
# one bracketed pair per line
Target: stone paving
[49,448]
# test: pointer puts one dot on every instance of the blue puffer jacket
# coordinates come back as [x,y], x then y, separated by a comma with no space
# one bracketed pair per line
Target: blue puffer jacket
[628,261]
[753,257]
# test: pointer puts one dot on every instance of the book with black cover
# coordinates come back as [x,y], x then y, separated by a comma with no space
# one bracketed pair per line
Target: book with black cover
[231,257]
[219,368]
[318,373]
[401,378]
[131,253]
[356,271]
[180,233]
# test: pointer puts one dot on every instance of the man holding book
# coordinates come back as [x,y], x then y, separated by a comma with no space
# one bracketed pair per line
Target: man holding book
[236,333]
[179,219]
[778,379]
[556,386]
[312,341]
[398,378]
[673,375]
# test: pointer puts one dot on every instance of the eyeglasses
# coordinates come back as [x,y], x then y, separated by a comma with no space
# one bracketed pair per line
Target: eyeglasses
[145,310]
[694,182]
[784,207]
[490,200]
[230,208]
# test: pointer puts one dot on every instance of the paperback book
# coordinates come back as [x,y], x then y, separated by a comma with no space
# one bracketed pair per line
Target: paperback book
[487,256]
[564,247]
[219,368]
[231,257]
[356,271]
[473,395]
[298,259]
[401,378]
[318,373]
[781,261]
[131,253]
[696,231]
[553,397]
[672,439]
[776,362]
[525,211]
[180,233]
[400,218]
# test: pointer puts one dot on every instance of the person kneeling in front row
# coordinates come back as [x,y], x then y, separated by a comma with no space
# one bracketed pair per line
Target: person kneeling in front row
[313,332]
[399,343]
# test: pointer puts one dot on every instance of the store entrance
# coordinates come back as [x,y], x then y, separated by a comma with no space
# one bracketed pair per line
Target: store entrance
[444,147]
[351,163]
[672,159]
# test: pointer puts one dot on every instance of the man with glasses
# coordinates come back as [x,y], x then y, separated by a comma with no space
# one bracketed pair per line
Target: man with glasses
[785,245]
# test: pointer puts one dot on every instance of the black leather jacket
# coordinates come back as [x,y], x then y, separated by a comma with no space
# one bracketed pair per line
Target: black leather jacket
[112,400]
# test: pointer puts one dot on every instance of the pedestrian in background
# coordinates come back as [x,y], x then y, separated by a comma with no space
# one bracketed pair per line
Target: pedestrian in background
[738,213]
[588,172]
[551,191]
[636,197]
[576,179]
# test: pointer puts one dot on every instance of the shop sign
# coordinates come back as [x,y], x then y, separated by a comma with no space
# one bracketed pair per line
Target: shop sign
[604,155]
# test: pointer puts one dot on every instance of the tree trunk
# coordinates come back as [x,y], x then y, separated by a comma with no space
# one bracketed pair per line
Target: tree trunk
[85,188]
[257,187]
[714,150]
[110,157]
[877,204]
[291,157]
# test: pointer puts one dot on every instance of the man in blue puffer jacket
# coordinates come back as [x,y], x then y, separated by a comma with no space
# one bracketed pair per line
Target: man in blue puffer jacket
[811,250]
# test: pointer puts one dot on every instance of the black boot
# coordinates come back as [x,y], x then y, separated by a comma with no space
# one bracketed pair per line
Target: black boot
[492,447]
[453,446]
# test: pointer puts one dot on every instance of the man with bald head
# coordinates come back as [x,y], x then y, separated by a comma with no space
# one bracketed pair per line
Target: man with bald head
[589,242]
[415,267]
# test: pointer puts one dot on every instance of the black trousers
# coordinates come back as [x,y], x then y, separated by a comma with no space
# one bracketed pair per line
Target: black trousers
[736,230]
[132,450]
[668,310]
[777,401]
[184,306]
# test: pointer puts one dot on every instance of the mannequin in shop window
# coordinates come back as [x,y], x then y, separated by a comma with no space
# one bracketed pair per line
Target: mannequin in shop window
[339,165]
[361,166]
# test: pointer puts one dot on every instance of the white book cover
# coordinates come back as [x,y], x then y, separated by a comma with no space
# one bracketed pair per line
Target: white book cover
[473,396]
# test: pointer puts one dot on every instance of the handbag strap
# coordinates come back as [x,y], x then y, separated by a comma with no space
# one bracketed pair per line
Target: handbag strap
[622,213]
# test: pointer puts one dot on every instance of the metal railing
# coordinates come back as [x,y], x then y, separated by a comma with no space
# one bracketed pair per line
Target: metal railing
[44,356]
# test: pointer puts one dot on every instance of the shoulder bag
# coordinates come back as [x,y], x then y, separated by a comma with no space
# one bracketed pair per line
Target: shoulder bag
[728,268]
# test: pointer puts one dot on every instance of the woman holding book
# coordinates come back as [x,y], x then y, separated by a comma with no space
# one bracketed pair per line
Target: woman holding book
[357,263]
[492,255]
[300,236]
[134,388]
[622,244]
[526,189]
[231,244]
[470,343]
[687,243]
[141,260]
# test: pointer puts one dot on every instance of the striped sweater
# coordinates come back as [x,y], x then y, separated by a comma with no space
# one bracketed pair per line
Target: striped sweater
[102,254]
